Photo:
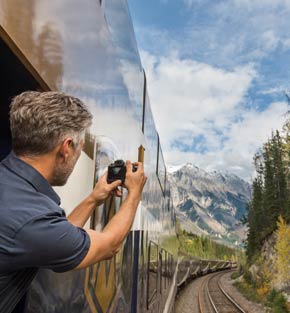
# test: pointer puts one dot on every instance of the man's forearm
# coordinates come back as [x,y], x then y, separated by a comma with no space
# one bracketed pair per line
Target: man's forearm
[83,211]
[119,226]
[107,243]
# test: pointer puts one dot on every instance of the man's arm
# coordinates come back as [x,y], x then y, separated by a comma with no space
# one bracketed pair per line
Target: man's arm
[107,243]
[101,192]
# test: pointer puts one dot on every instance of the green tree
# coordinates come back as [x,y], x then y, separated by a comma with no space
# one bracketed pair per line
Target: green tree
[270,196]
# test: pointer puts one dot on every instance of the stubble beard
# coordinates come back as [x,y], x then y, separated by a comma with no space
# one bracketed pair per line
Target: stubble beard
[62,171]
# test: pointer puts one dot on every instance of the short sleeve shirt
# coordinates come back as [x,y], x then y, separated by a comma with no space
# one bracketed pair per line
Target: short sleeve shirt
[34,231]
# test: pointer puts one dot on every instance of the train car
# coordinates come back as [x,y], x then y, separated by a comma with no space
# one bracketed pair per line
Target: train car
[88,49]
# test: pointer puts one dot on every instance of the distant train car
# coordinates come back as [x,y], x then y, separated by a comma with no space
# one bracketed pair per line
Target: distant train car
[88,49]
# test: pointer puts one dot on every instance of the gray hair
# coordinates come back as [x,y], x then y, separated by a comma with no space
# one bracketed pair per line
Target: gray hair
[39,121]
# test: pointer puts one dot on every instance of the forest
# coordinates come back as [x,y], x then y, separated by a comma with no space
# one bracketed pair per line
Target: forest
[205,248]
[270,203]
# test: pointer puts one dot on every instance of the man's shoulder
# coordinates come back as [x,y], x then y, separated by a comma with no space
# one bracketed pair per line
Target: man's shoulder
[9,180]
[21,203]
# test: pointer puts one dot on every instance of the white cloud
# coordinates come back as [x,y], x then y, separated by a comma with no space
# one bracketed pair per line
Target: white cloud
[228,32]
[265,4]
[206,104]
[195,100]
[275,90]
[193,97]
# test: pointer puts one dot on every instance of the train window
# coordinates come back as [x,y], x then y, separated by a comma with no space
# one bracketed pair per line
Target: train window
[161,269]
[161,169]
[150,133]
[167,187]
[144,101]
[168,273]
[142,270]
[164,269]
[127,269]
[152,273]
[171,266]
[172,213]
[15,79]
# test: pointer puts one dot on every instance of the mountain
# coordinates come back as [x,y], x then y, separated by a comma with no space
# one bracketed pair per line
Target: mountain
[210,203]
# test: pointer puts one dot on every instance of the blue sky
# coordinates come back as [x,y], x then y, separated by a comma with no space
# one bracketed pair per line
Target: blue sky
[217,72]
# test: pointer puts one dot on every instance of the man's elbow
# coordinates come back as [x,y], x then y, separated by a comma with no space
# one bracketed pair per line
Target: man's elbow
[111,253]
[113,247]
[104,246]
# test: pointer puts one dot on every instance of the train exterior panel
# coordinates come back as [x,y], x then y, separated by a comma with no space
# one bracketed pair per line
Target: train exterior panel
[88,49]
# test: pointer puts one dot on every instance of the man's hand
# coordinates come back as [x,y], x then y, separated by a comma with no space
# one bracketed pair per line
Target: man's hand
[108,242]
[103,190]
[135,181]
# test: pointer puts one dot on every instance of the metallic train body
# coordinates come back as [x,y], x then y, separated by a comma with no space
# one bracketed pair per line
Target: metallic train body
[88,49]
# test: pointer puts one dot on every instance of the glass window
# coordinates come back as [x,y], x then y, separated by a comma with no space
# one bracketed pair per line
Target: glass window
[152,278]
[150,132]
[164,270]
[144,101]
[161,170]
[127,268]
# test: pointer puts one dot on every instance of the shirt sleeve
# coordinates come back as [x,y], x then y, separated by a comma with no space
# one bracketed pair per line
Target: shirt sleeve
[50,241]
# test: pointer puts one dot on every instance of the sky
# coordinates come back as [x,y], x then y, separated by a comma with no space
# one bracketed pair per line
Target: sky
[217,73]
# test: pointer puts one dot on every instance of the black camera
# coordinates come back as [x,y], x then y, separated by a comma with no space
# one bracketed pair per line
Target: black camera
[117,171]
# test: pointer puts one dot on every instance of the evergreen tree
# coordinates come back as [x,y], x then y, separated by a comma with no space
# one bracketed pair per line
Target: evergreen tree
[270,197]
[279,176]
[268,190]
[286,156]
[255,220]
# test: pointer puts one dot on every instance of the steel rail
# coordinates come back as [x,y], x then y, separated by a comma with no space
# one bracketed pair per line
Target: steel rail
[230,298]
[225,294]
[201,296]
[206,303]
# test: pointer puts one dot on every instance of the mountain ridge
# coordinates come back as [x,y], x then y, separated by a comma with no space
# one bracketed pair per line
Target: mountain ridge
[210,203]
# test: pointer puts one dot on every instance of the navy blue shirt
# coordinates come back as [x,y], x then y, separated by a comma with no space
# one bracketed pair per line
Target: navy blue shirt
[34,231]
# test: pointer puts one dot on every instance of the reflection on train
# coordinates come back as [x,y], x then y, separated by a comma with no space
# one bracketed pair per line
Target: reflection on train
[88,49]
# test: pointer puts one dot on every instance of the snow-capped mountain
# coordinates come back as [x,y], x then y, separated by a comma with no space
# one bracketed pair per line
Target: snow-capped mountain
[210,203]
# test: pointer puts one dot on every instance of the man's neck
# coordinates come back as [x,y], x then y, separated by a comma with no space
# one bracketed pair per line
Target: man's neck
[44,164]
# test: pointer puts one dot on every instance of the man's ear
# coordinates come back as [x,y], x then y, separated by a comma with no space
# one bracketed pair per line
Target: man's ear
[65,148]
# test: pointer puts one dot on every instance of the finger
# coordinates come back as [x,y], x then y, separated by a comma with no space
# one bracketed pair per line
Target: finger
[139,165]
[118,193]
[145,180]
[129,166]
[115,184]
[104,176]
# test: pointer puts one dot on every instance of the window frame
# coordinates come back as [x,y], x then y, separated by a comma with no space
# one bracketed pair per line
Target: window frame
[153,296]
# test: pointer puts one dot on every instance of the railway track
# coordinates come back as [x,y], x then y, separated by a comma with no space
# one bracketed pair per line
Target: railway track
[213,299]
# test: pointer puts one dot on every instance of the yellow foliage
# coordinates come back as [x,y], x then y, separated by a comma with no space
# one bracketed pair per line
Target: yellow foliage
[282,248]
[263,276]
[263,291]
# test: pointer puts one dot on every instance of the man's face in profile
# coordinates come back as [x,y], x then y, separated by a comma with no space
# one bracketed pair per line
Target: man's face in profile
[63,168]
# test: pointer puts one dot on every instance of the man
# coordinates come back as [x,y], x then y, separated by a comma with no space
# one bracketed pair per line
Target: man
[47,138]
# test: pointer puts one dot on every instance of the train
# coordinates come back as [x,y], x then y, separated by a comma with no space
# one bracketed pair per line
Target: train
[88,49]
